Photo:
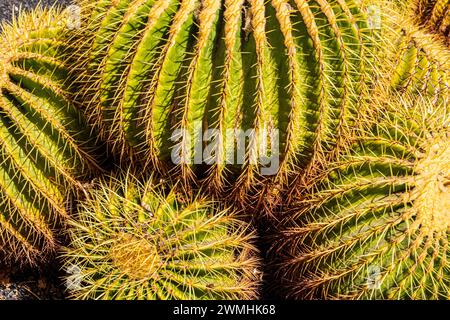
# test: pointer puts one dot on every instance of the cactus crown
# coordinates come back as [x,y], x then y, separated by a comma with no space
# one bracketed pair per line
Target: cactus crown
[44,142]
[144,241]
[376,225]
[431,194]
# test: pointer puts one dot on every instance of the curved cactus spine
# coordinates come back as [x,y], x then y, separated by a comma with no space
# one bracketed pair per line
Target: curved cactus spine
[147,241]
[376,223]
[45,146]
[186,66]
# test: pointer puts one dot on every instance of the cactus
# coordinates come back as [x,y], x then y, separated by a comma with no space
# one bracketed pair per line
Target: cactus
[420,60]
[423,66]
[135,240]
[376,223]
[435,14]
[44,141]
[410,59]
[152,67]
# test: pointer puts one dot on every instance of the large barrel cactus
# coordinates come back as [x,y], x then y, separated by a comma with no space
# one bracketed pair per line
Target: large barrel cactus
[44,141]
[148,241]
[228,91]
[376,224]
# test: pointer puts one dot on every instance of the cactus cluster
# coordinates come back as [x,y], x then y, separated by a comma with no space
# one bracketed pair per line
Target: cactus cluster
[134,240]
[376,223]
[45,145]
[159,74]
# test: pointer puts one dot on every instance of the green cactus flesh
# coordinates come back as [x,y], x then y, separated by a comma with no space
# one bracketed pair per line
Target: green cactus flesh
[43,139]
[422,66]
[154,66]
[147,241]
[435,14]
[377,224]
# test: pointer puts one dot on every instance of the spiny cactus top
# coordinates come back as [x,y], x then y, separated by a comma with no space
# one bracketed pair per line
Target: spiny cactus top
[285,74]
[377,224]
[44,141]
[146,241]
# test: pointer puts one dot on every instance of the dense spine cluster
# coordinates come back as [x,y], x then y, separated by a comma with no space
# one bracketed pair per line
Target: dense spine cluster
[44,141]
[376,224]
[148,241]
[160,73]
[434,14]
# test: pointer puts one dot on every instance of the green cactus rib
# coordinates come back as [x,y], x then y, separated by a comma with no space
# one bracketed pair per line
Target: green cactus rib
[149,241]
[376,224]
[152,67]
[44,141]
[434,14]
[422,66]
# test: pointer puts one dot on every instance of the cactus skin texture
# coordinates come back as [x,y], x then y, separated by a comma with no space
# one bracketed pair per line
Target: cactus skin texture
[44,145]
[410,59]
[153,66]
[435,14]
[145,241]
[376,224]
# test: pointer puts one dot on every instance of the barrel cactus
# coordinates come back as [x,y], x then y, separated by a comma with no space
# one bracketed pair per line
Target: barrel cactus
[423,65]
[376,224]
[231,92]
[133,240]
[45,145]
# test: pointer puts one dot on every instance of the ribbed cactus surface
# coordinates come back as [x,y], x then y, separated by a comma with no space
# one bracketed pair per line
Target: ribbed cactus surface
[160,73]
[422,65]
[148,241]
[44,141]
[435,14]
[376,225]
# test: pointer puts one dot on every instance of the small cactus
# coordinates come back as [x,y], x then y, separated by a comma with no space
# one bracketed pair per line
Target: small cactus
[376,224]
[145,241]
[45,144]
[152,67]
